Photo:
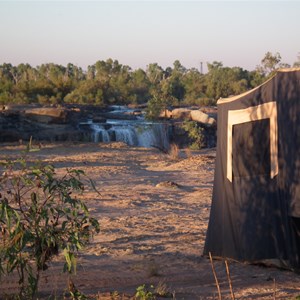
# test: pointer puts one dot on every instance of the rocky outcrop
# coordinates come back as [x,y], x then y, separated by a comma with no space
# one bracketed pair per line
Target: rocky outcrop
[73,123]
[198,115]
[47,115]
[20,123]
[181,113]
[206,119]
[201,117]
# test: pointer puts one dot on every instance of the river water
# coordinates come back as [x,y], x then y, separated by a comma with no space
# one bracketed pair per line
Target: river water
[135,132]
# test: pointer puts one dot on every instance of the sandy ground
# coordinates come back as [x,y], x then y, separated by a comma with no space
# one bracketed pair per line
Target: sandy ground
[152,232]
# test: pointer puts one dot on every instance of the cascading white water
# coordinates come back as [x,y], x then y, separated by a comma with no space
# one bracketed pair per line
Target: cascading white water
[146,137]
[125,134]
[134,132]
[155,134]
[143,135]
[100,134]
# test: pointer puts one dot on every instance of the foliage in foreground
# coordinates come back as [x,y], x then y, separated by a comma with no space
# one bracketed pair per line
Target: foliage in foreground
[40,215]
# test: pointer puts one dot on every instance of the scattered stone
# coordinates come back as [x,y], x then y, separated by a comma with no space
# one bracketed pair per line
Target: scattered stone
[168,184]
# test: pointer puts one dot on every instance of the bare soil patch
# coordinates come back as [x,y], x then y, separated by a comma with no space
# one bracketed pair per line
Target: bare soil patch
[153,212]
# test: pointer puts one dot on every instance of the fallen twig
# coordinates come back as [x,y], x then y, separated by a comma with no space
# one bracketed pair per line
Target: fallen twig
[229,280]
[215,275]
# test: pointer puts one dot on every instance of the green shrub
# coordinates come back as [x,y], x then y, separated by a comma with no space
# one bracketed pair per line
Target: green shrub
[40,215]
[195,133]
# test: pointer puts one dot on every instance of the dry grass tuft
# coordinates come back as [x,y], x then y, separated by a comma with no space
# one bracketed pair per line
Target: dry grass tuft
[174,152]
[188,152]
[162,290]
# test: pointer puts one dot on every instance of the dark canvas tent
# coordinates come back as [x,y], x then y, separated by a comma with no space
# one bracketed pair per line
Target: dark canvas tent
[255,213]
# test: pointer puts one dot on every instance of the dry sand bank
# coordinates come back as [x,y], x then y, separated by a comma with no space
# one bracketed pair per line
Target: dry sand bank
[151,233]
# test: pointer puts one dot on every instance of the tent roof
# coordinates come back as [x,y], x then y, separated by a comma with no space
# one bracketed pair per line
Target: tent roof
[233,98]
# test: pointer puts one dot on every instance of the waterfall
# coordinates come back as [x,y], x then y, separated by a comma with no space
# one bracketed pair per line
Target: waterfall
[134,134]
[128,128]
[125,134]
[99,134]
[155,134]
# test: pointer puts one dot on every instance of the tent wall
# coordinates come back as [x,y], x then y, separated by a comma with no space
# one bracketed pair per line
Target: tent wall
[255,209]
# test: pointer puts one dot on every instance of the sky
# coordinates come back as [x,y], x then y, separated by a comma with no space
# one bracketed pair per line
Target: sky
[137,33]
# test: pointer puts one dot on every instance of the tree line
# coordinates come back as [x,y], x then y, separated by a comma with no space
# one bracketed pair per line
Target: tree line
[109,82]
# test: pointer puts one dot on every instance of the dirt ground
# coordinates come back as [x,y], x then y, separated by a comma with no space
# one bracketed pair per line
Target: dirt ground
[153,212]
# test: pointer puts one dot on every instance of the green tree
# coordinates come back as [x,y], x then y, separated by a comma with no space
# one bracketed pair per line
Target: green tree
[6,84]
[120,85]
[154,108]
[224,81]
[155,74]
[139,87]
[87,92]
[194,86]
[256,78]
[175,86]
[270,63]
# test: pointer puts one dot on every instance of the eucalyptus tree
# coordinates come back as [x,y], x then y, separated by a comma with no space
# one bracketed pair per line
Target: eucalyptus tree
[91,71]
[195,87]
[87,92]
[15,83]
[120,84]
[224,81]
[161,90]
[54,82]
[6,80]
[102,70]
[270,63]
[139,87]
[174,83]
[155,74]
[22,89]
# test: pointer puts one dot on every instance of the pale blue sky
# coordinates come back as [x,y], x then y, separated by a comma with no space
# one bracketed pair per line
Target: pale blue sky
[136,33]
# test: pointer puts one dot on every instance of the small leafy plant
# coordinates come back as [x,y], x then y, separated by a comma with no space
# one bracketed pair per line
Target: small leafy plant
[152,293]
[195,133]
[143,294]
[40,215]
